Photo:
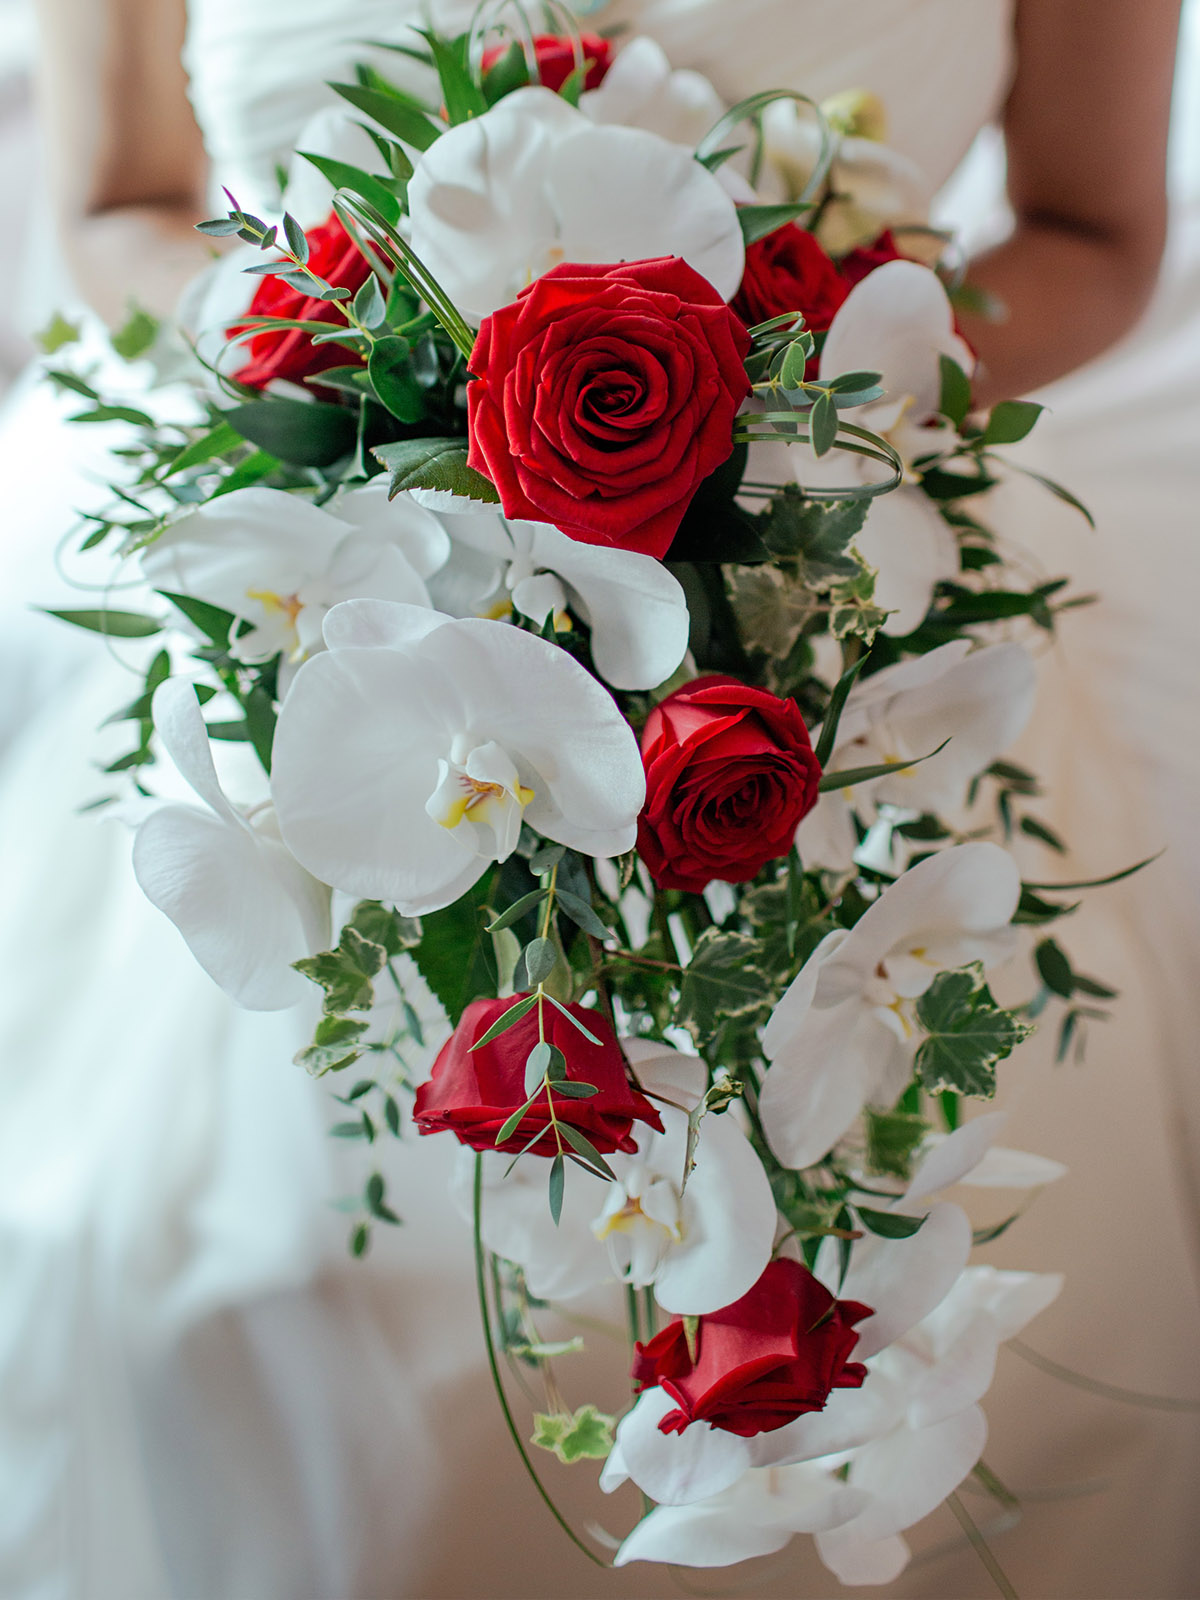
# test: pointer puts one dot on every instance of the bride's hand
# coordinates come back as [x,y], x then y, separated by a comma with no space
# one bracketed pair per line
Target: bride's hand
[1086,133]
[126,162]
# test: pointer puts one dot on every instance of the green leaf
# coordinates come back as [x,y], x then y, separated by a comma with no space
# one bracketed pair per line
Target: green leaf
[306,433]
[296,240]
[833,713]
[967,1033]
[956,391]
[815,533]
[216,442]
[335,1046]
[462,96]
[212,622]
[1054,968]
[252,470]
[823,425]
[1010,421]
[541,958]
[57,333]
[721,980]
[346,972]
[114,624]
[582,915]
[584,1147]
[1096,883]
[558,1174]
[395,111]
[758,221]
[795,361]
[893,1138]
[507,1020]
[1039,830]
[392,377]
[130,414]
[344,176]
[848,777]
[455,955]
[888,1224]
[382,925]
[517,910]
[136,335]
[510,72]
[434,464]
[584,1435]
[573,1020]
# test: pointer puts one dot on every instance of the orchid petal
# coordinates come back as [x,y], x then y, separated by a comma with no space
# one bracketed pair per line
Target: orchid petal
[179,724]
[1002,1168]
[904,1279]
[678,1468]
[911,548]
[948,1160]
[909,1473]
[641,91]
[700,1536]
[399,521]
[856,1561]
[364,624]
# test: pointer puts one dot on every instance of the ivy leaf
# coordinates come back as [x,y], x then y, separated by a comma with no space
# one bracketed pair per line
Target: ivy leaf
[585,1435]
[346,972]
[434,464]
[382,925]
[57,333]
[815,533]
[968,1033]
[137,334]
[334,1047]
[722,980]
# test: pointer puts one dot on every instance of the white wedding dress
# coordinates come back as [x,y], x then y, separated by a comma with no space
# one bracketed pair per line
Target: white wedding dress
[201,1396]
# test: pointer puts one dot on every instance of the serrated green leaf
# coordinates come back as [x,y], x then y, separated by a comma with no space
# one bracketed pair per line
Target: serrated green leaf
[893,1138]
[384,926]
[815,533]
[967,1033]
[434,464]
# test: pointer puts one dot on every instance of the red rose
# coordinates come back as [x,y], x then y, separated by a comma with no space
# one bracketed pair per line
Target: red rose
[855,266]
[761,1362]
[789,271]
[474,1092]
[604,396]
[730,771]
[289,352]
[556,58]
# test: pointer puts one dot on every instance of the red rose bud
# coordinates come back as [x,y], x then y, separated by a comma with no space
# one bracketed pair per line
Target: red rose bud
[859,263]
[730,773]
[473,1093]
[789,271]
[556,58]
[289,352]
[760,1363]
[604,396]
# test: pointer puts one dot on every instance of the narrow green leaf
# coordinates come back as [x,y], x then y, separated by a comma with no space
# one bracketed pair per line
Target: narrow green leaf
[395,111]
[955,401]
[833,714]
[344,176]
[517,910]
[212,622]
[582,915]
[508,1019]
[216,442]
[758,221]
[462,96]
[114,624]
[888,1224]
[584,1147]
[558,1174]
[573,1020]
[849,776]
[1054,968]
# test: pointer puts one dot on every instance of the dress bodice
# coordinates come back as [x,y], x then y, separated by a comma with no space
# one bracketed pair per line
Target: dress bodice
[259,68]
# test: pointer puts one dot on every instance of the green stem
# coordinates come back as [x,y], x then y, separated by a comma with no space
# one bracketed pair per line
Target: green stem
[497,1382]
[981,1547]
[1109,1391]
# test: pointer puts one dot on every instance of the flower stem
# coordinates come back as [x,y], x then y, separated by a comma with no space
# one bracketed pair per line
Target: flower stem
[497,1382]
[981,1548]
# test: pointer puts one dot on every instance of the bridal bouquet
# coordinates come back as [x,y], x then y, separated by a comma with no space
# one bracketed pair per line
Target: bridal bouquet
[575,514]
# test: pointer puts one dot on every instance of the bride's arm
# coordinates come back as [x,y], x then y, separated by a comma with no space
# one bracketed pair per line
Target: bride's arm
[126,162]
[1086,132]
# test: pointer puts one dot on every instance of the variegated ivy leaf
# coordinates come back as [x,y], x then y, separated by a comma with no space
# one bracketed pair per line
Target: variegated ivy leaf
[586,1435]
[722,980]
[853,611]
[968,1033]
[771,608]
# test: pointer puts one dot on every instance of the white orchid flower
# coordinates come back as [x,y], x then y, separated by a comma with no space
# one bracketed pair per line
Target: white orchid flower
[245,907]
[700,1246]
[499,200]
[409,752]
[642,90]
[897,322]
[872,187]
[931,1381]
[634,607]
[980,700]
[280,563]
[969,1155]
[902,1280]
[755,1516]
[844,1033]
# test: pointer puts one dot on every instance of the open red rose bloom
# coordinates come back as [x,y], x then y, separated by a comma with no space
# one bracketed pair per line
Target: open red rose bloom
[474,1092]
[730,773]
[604,396]
[760,1363]
[290,352]
[788,270]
